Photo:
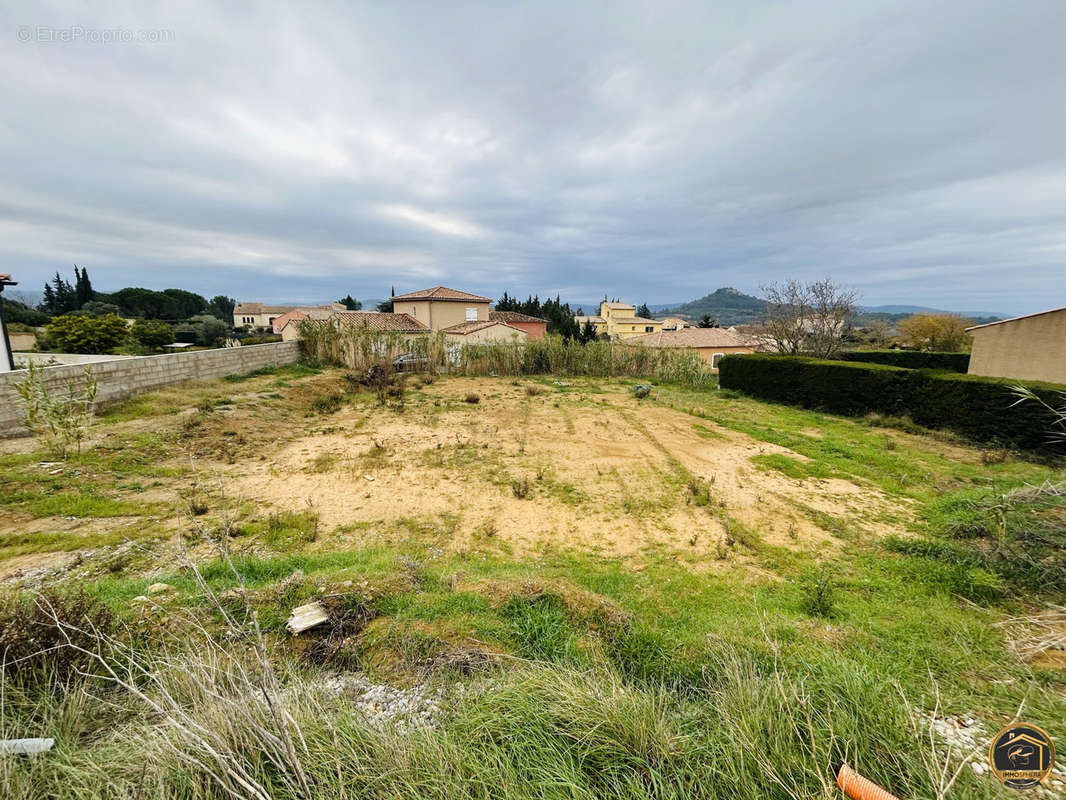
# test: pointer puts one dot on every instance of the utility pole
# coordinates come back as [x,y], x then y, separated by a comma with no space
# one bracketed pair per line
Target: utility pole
[7,360]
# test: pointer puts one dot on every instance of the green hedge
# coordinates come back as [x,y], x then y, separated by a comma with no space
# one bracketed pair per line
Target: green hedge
[977,407]
[911,359]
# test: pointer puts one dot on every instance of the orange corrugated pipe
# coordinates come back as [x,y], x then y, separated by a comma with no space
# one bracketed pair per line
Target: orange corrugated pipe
[857,787]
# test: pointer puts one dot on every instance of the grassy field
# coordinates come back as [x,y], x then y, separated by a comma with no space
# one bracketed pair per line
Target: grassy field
[555,590]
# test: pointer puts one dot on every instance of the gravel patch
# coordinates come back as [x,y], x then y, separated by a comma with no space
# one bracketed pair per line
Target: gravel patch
[417,707]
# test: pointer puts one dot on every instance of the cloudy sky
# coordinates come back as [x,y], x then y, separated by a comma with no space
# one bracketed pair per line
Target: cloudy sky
[653,151]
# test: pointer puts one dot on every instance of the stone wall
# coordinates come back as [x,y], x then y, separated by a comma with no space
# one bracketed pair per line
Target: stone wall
[128,376]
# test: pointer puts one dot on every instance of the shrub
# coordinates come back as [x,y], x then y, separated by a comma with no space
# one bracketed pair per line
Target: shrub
[72,333]
[910,359]
[520,488]
[36,648]
[980,408]
[472,398]
[327,403]
[152,334]
[62,419]
[818,594]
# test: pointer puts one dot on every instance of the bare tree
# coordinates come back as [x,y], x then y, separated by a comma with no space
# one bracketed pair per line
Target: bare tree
[808,318]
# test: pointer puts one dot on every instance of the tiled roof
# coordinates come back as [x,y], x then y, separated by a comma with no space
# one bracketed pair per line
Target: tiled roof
[260,308]
[378,321]
[300,313]
[441,293]
[463,328]
[513,316]
[693,337]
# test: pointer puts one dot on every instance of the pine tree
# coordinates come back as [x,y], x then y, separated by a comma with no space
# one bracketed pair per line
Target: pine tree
[48,303]
[83,288]
[65,298]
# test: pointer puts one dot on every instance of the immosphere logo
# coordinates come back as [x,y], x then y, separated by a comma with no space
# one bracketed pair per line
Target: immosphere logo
[1021,756]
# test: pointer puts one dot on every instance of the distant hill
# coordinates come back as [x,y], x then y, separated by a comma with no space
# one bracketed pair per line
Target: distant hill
[727,305]
[732,307]
[908,310]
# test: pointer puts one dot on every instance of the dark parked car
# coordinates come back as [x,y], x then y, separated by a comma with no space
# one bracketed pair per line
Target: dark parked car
[410,362]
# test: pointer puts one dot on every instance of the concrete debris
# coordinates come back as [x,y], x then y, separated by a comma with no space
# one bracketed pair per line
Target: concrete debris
[417,707]
[305,617]
[967,737]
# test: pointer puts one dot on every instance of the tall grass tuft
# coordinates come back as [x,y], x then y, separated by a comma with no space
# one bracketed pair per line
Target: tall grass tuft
[359,347]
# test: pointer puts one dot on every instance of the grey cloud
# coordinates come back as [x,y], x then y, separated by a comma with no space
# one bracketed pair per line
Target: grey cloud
[654,151]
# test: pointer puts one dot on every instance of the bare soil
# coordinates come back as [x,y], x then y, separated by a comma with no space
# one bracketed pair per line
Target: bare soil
[599,470]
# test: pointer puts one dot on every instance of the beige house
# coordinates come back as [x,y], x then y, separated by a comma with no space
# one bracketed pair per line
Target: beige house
[260,315]
[484,332]
[675,324]
[620,321]
[440,307]
[1032,347]
[710,343]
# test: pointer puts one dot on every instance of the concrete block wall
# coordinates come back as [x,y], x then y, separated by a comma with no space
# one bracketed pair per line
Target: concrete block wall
[124,377]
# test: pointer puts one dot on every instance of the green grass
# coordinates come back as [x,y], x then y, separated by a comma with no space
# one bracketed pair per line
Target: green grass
[586,677]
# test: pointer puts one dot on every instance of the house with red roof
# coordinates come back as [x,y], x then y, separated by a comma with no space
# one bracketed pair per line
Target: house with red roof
[440,307]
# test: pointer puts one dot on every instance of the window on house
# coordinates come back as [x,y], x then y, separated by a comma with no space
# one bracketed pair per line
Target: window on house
[271,321]
[471,315]
[715,359]
[649,329]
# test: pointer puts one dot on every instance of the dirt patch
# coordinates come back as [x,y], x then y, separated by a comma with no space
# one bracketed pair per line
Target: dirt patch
[566,468]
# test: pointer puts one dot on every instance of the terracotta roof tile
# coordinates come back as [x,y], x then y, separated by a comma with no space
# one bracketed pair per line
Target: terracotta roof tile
[513,316]
[463,328]
[379,321]
[693,337]
[441,293]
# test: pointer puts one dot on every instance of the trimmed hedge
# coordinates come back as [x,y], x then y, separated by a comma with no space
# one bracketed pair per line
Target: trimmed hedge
[910,359]
[977,407]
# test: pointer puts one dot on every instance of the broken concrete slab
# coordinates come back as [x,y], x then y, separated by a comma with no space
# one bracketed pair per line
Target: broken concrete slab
[26,746]
[307,616]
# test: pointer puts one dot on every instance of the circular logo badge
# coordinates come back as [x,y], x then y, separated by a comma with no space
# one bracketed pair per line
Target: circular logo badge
[1021,756]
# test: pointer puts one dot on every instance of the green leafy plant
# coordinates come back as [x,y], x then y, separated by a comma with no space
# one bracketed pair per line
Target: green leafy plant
[818,594]
[152,334]
[73,333]
[62,419]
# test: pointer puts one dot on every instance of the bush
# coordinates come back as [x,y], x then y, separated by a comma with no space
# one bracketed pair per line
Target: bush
[982,409]
[73,333]
[61,418]
[911,359]
[473,398]
[37,650]
[818,594]
[152,334]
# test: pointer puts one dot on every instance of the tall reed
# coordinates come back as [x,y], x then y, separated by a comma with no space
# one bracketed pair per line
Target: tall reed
[357,346]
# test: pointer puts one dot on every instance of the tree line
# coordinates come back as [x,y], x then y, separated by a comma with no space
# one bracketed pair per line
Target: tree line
[63,297]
